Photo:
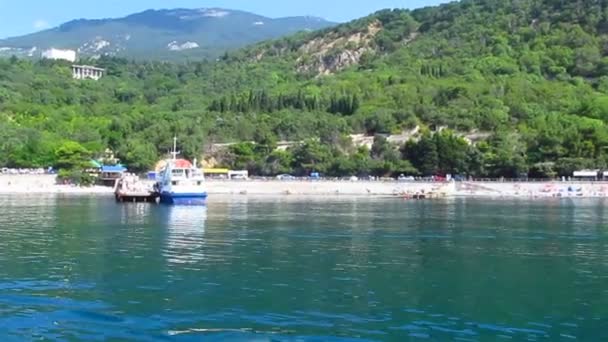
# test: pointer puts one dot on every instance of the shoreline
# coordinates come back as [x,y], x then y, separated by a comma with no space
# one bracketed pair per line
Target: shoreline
[45,184]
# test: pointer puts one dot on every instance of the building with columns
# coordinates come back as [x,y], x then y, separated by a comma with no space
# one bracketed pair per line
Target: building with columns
[83,72]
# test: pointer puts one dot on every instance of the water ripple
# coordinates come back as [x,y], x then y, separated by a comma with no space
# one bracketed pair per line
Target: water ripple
[85,268]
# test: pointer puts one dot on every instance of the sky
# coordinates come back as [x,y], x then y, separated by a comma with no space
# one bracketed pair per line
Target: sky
[18,17]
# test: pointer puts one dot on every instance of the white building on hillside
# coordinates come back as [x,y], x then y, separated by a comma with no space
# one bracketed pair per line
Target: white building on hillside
[83,72]
[57,54]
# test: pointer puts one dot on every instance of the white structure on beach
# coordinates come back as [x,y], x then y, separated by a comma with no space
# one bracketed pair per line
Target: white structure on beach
[586,174]
[83,72]
[57,54]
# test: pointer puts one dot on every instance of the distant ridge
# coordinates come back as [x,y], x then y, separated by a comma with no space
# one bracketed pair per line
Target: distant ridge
[166,34]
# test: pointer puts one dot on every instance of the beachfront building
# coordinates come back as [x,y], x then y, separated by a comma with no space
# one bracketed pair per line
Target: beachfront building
[215,173]
[586,174]
[58,54]
[108,174]
[238,175]
[226,174]
[83,72]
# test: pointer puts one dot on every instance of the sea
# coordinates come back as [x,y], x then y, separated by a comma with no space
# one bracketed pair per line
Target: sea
[84,268]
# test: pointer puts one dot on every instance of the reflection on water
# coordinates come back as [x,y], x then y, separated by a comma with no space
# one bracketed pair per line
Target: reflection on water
[135,213]
[185,234]
[77,268]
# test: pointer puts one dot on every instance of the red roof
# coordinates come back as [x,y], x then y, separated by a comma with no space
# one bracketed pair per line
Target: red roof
[183,164]
[179,163]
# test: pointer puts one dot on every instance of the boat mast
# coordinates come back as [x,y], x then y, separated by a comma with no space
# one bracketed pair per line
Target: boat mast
[174,152]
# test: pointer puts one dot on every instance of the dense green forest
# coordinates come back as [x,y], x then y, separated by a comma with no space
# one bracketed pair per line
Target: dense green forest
[529,76]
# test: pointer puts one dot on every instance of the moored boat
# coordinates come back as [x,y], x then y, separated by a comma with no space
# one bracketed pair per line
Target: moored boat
[181,183]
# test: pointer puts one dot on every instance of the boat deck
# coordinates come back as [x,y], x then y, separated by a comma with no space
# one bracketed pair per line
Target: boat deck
[137,197]
[130,189]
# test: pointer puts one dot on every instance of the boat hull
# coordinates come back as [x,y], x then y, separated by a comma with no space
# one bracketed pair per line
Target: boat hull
[171,198]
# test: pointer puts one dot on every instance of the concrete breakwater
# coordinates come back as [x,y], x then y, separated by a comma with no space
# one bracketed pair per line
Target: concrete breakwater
[47,184]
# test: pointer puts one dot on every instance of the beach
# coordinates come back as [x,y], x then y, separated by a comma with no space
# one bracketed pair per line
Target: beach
[33,184]
[46,184]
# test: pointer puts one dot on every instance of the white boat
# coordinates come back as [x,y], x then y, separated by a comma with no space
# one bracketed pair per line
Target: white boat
[179,182]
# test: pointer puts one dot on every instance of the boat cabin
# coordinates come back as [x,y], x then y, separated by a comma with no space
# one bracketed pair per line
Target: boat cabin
[181,175]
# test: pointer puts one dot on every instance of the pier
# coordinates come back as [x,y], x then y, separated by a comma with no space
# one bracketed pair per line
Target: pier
[130,189]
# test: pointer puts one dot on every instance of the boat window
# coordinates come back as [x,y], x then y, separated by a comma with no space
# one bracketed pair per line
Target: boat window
[174,183]
[178,173]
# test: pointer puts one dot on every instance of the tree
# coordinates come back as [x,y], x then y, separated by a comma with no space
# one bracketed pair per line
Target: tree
[265,141]
[452,153]
[243,157]
[279,162]
[311,156]
[386,160]
[543,170]
[73,160]
[423,155]
[379,122]
[72,156]
[361,162]
[382,149]
[565,167]
[139,155]
[506,157]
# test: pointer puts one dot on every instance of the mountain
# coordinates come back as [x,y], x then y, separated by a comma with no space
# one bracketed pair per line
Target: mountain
[486,88]
[162,34]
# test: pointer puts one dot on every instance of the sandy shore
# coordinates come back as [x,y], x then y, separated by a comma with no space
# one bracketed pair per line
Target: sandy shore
[326,188]
[43,184]
[532,189]
[23,184]
[46,184]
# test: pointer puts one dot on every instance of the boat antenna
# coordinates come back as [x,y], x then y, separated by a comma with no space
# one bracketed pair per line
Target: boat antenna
[174,153]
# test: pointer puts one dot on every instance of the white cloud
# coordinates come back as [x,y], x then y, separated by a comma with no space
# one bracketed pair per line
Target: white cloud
[41,24]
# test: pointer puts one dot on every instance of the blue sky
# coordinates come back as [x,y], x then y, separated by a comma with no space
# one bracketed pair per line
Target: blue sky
[19,17]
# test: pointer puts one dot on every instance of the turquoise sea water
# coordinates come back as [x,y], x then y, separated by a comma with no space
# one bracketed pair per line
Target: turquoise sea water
[86,268]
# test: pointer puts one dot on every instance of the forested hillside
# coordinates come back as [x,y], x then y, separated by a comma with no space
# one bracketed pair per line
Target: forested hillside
[528,76]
